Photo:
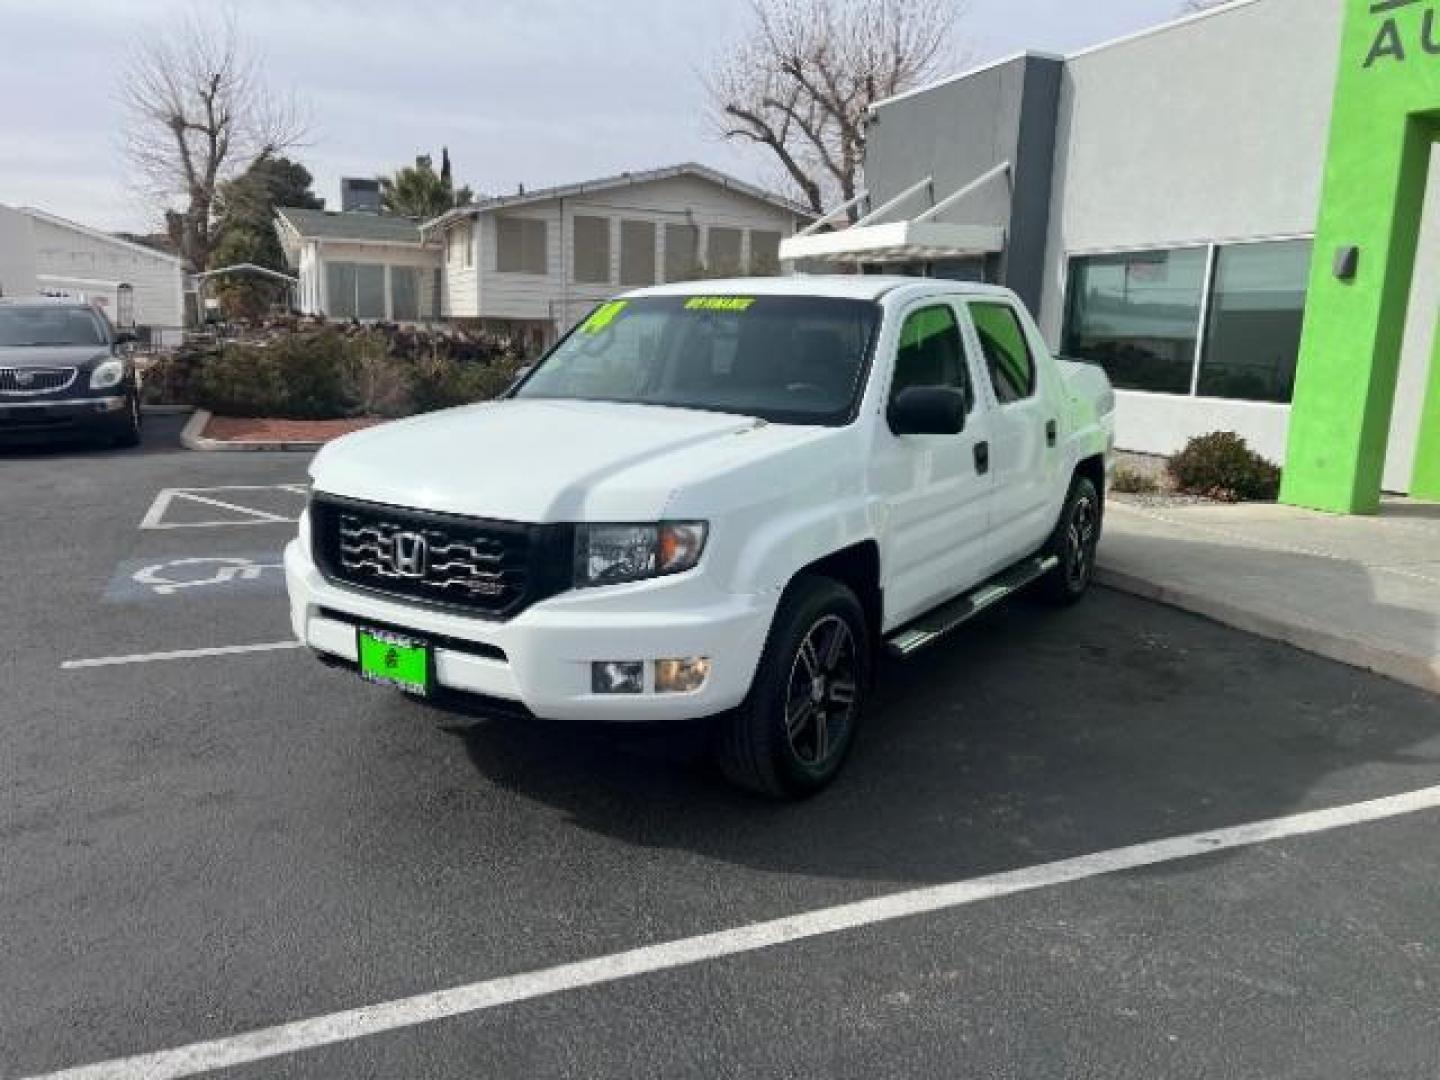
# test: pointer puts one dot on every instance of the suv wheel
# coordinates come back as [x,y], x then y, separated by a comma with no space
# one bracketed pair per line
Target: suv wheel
[1074,543]
[792,735]
[130,434]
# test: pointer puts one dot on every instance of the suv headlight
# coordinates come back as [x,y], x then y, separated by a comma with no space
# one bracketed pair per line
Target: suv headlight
[611,554]
[108,374]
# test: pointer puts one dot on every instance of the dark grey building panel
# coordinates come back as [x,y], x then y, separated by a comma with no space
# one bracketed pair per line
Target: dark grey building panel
[959,130]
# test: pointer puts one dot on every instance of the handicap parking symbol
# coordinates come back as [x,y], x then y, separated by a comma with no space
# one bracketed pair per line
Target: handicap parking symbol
[148,579]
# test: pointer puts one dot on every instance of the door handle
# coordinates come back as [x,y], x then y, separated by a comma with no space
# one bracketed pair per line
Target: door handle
[1052,430]
[982,458]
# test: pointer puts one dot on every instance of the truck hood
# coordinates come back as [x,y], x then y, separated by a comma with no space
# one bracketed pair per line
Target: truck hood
[544,461]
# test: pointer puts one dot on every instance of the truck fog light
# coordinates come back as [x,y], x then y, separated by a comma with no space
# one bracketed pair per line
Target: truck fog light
[617,677]
[681,676]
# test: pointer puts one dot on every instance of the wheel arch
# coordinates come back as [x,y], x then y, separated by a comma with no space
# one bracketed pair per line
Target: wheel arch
[857,567]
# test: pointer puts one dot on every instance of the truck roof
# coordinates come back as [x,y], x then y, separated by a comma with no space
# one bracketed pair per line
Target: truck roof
[839,286]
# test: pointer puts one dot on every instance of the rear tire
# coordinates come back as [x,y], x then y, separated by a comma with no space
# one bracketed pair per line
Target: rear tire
[130,435]
[790,738]
[1074,542]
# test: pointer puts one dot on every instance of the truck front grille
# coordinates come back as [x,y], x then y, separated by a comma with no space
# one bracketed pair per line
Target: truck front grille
[490,568]
[30,380]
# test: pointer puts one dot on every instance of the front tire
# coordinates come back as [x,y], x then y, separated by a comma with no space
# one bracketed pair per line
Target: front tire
[1074,543]
[790,738]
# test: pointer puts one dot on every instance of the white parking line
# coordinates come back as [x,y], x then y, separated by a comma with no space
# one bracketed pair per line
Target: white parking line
[351,1024]
[247,515]
[179,654]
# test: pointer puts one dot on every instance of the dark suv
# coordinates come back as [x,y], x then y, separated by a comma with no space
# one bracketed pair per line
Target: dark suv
[63,373]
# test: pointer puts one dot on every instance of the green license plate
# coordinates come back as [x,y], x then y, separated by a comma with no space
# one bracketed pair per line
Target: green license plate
[393,660]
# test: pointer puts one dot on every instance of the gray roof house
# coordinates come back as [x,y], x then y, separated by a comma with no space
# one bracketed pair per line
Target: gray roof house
[537,261]
[545,258]
[358,265]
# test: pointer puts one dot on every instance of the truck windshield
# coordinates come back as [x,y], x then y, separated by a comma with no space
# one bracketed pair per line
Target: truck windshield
[50,325]
[785,359]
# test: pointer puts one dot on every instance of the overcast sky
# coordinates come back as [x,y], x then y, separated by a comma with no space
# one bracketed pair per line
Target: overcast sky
[522,91]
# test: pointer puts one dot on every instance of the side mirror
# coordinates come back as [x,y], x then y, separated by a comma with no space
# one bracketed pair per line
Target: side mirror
[126,337]
[928,410]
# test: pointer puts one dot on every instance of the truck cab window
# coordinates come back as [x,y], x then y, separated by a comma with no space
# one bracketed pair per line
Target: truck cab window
[931,354]
[1007,354]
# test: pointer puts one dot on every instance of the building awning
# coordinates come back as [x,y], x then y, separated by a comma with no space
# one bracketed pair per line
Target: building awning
[896,242]
[872,239]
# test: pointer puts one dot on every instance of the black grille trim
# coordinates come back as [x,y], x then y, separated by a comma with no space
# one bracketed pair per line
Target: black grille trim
[36,380]
[486,568]
[439,641]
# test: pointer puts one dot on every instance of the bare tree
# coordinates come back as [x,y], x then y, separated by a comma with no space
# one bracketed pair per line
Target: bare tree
[198,113]
[801,81]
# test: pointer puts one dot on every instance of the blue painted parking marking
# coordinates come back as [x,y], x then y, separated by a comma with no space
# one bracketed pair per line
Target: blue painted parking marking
[159,579]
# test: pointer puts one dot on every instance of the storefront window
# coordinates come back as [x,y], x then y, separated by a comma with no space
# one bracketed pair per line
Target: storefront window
[1257,308]
[1137,315]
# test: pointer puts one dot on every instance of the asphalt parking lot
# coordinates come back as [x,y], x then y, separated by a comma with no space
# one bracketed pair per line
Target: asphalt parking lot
[202,847]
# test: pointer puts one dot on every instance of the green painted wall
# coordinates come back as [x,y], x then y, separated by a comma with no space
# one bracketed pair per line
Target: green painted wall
[1386,117]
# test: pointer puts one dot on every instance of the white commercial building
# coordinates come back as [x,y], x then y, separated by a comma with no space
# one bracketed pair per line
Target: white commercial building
[134,285]
[1155,201]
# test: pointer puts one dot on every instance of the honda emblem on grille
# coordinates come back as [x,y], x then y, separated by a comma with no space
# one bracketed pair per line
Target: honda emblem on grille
[24,378]
[410,554]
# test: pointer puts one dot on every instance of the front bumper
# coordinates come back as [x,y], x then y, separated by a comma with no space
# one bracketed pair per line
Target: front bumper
[64,416]
[542,657]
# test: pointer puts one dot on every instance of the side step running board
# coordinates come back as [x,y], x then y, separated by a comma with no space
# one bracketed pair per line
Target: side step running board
[928,629]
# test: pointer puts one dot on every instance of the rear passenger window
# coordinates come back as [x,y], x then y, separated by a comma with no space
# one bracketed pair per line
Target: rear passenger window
[931,354]
[1007,353]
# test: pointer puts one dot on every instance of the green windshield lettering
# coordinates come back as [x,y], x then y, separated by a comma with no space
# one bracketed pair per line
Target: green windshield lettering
[719,303]
[603,316]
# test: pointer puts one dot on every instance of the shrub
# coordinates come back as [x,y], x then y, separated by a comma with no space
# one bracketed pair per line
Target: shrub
[295,377]
[1131,481]
[332,371]
[1222,466]
[442,383]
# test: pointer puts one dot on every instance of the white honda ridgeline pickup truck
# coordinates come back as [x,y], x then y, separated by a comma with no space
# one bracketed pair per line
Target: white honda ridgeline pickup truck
[719,499]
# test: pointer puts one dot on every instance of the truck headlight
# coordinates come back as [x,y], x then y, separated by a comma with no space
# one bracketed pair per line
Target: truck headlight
[611,554]
[107,374]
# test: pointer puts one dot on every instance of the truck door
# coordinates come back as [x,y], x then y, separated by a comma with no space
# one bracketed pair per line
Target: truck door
[1025,452]
[935,488]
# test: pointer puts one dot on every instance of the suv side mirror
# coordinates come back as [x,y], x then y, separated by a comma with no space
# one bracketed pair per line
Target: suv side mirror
[928,410]
[126,337]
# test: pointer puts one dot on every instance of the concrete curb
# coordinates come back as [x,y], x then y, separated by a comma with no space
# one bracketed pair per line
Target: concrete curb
[1418,671]
[165,410]
[192,439]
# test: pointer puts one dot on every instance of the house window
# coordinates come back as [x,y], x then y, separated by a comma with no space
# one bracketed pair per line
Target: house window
[724,255]
[1138,316]
[1007,353]
[682,252]
[592,250]
[520,245]
[637,253]
[764,252]
[1257,309]
[340,290]
[355,290]
[404,294]
[459,246]
[369,291]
